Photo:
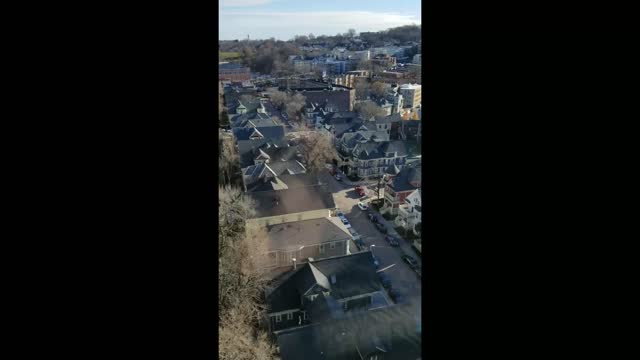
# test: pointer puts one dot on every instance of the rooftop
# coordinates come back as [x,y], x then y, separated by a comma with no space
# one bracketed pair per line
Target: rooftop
[393,332]
[294,235]
[289,201]
[354,275]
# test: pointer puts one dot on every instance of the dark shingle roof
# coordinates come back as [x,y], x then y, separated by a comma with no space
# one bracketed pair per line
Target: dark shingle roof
[355,274]
[393,331]
[409,174]
[337,99]
[272,203]
[275,132]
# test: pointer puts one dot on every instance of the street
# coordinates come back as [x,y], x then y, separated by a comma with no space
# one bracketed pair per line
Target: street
[402,277]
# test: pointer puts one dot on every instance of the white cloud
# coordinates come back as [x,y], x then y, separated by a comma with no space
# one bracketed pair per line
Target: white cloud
[284,25]
[242,3]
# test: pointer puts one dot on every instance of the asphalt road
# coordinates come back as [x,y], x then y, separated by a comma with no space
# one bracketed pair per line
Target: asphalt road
[402,277]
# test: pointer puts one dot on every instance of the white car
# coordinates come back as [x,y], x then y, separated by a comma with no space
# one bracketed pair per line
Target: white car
[345,222]
[362,205]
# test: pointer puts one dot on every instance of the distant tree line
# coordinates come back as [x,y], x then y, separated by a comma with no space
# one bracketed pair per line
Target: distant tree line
[271,56]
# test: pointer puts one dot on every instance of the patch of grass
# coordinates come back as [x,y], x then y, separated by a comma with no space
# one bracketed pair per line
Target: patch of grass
[224,56]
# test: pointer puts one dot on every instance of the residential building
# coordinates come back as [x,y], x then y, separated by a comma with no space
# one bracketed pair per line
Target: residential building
[323,291]
[252,139]
[384,333]
[294,204]
[368,153]
[398,187]
[412,94]
[235,72]
[333,97]
[300,241]
[385,61]
[410,213]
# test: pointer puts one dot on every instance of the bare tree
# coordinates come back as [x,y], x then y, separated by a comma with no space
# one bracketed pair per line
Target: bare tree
[294,106]
[362,87]
[241,280]
[369,109]
[378,89]
[278,98]
[228,161]
[318,150]
[351,33]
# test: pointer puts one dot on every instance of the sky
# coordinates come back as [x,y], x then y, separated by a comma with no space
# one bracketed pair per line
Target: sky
[282,19]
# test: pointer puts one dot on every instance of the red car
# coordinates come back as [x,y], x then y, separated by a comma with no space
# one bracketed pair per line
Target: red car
[360,190]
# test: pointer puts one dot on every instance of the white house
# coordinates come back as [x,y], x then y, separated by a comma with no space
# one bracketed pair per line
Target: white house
[410,213]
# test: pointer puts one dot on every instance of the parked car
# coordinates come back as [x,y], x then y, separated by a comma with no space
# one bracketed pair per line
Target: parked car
[392,240]
[411,261]
[396,296]
[345,222]
[360,191]
[362,206]
[338,177]
[381,227]
[372,218]
[360,244]
[384,279]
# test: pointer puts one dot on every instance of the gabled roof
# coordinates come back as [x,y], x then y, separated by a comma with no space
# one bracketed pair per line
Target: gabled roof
[268,132]
[411,173]
[393,331]
[355,274]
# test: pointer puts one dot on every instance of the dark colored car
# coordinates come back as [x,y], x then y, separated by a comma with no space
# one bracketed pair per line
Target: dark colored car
[411,261]
[396,296]
[381,228]
[384,279]
[372,218]
[392,240]
[360,244]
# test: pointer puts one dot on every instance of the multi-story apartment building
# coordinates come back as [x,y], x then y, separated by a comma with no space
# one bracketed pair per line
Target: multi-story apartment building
[369,153]
[398,187]
[412,94]
[410,213]
[234,72]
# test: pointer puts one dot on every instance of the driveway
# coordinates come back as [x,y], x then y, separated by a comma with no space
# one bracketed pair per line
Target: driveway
[402,277]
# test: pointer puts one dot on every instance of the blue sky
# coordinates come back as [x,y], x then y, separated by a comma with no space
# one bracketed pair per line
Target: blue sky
[282,19]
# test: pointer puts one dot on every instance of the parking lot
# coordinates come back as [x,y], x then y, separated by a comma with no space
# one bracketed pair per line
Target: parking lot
[402,277]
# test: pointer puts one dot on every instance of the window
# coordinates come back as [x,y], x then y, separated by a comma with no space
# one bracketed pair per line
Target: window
[278,318]
[289,316]
[321,248]
[333,245]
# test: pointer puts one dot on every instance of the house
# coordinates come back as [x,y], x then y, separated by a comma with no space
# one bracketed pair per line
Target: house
[401,185]
[291,204]
[323,291]
[251,139]
[300,241]
[387,333]
[410,213]
[334,97]
[366,153]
